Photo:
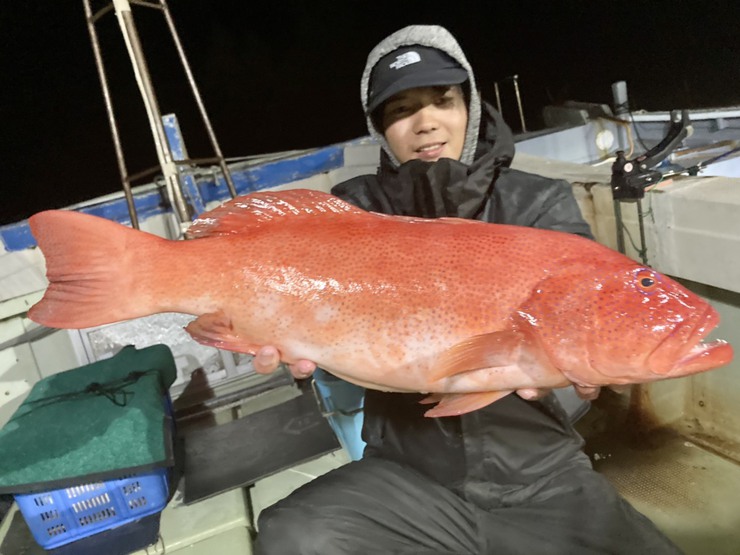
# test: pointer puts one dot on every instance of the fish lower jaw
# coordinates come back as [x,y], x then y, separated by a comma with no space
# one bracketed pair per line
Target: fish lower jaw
[702,357]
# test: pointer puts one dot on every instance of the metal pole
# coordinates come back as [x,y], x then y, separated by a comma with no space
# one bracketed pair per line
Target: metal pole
[125,181]
[519,102]
[169,168]
[620,225]
[643,246]
[198,100]
[620,99]
[498,98]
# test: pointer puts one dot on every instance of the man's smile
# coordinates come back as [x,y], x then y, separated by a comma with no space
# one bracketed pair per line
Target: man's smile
[431,150]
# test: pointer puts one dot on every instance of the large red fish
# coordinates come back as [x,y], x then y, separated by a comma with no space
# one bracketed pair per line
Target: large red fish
[466,311]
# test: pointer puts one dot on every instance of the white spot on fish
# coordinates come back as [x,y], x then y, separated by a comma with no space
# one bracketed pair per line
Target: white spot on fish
[325,313]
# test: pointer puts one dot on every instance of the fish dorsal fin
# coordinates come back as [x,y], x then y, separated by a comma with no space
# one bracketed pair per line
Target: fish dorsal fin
[257,209]
[420,220]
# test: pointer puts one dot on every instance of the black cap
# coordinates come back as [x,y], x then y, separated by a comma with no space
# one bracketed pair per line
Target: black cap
[410,67]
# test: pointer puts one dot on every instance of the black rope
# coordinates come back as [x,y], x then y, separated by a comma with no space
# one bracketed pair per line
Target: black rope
[113,391]
[637,132]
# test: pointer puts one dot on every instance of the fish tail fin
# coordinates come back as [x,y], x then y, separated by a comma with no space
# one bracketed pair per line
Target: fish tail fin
[89,269]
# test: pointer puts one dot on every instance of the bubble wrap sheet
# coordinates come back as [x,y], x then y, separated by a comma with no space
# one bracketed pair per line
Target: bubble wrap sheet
[167,329]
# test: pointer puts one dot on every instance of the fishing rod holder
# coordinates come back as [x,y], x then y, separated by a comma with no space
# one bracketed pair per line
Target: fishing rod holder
[630,178]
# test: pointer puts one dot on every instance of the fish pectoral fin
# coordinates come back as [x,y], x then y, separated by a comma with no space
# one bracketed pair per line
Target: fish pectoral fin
[488,350]
[215,329]
[459,403]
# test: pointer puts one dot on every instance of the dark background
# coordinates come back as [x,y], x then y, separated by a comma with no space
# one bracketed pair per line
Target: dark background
[285,75]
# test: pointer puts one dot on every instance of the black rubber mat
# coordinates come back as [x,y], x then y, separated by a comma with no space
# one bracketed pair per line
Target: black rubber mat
[240,452]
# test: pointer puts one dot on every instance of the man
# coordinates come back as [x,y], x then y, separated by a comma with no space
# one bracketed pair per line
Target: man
[509,478]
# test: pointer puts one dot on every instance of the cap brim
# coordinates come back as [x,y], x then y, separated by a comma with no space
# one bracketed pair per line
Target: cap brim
[451,76]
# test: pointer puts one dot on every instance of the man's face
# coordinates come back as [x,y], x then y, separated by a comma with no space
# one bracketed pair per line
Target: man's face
[426,123]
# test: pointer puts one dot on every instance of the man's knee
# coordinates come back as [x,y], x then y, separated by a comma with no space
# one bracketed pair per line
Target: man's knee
[275,534]
[282,530]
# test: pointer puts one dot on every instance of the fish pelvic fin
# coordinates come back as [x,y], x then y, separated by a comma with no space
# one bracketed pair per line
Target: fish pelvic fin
[258,209]
[461,403]
[89,268]
[487,350]
[215,329]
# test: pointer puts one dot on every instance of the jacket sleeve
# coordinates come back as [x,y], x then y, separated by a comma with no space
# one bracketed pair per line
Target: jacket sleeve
[561,212]
[363,192]
[521,198]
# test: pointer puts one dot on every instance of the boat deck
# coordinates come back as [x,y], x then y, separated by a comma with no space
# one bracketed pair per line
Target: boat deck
[689,492]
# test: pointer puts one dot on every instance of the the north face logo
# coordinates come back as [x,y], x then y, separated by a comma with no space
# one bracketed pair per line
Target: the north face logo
[406,59]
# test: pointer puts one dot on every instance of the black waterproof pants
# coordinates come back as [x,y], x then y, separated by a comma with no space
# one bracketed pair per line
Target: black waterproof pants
[378,506]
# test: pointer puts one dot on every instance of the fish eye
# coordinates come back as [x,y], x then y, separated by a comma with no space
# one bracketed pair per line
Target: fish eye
[646,280]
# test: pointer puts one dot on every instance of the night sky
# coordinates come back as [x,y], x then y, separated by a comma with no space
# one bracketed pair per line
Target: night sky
[285,75]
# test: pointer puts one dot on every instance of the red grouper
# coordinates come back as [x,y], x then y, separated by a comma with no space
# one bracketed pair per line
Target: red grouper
[463,310]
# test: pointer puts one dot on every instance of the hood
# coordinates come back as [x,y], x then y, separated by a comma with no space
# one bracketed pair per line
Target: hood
[436,37]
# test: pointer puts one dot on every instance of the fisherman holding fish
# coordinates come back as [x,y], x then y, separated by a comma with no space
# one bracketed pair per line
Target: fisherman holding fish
[510,477]
[457,328]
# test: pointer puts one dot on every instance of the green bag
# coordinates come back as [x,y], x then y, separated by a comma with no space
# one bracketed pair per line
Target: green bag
[91,423]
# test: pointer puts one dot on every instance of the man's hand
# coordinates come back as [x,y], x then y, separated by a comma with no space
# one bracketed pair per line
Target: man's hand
[267,360]
[587,393]
[532,394]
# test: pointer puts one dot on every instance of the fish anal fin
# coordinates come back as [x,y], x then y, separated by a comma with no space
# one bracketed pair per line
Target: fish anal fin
[215,329]
[263,208]
[487,350]
[461,403]
[432,399]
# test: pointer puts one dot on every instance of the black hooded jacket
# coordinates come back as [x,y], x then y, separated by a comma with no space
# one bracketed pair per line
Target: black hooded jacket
[512,443]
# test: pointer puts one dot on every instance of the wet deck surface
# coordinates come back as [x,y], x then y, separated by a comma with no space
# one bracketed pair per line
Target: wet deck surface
[692,494]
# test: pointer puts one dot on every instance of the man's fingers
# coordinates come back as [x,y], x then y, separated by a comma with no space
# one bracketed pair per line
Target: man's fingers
[587,393]
[266,360]
[532,394]
[302,369]
[584,392]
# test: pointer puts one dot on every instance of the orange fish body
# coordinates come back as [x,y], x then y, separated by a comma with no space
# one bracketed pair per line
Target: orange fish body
[464,310]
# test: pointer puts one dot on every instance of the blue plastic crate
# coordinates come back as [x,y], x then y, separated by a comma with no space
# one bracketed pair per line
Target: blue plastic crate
[61,516]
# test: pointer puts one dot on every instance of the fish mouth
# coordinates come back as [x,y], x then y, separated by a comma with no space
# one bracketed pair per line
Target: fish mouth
[685,352]
[703,356]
